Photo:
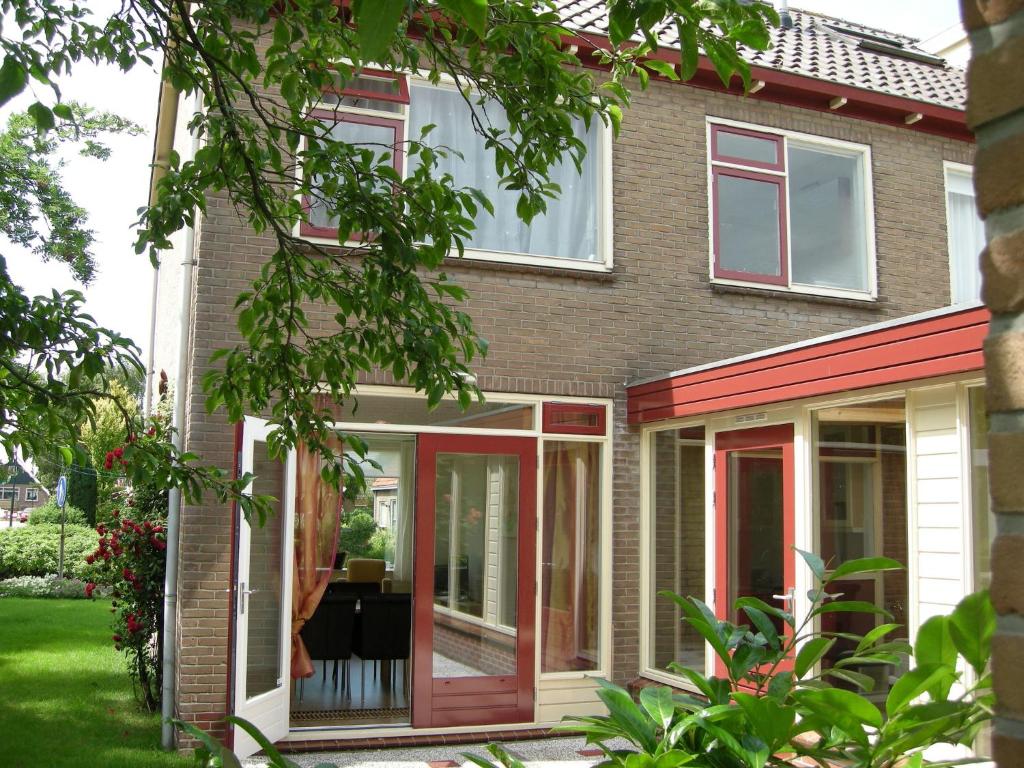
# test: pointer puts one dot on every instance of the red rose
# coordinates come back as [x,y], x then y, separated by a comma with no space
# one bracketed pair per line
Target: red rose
[151,431]
[117,638]
[126,572]
[116,513]
[89,589]
[118,452]
[106,554]
[158,529]
[159,544]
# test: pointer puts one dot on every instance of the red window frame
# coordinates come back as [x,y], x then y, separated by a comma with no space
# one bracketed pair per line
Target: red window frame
[341,114]
[402,97]
[550,413]
[780,148]
[780,182]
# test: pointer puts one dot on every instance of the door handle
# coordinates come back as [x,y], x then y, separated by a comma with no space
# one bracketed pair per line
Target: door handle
[243,593]
[786,598]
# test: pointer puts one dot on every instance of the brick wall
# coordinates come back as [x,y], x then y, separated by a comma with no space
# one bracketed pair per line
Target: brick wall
[996,114]
[567,333]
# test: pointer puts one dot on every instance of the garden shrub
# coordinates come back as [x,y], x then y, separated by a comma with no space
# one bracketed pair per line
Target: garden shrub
[34,550]
[49,586]
[356,531]
[131,555]
[50,513]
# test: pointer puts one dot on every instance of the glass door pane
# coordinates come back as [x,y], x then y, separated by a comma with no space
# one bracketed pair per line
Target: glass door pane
[262,593]
[474,649]
[476,540]
[756,548]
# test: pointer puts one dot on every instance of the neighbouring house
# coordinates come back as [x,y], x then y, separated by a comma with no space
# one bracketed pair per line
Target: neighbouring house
[752,324]
[20,490]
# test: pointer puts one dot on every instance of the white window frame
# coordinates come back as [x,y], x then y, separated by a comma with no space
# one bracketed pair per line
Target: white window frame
[603,193]
[948,168]
[31,494]
[812,142]
[5,493]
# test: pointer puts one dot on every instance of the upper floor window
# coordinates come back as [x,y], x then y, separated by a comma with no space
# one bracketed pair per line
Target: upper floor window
[791,211]
[385,111]
[966,233]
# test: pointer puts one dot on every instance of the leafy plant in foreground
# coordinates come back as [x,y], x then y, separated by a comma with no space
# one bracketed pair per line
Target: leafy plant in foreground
[771,705]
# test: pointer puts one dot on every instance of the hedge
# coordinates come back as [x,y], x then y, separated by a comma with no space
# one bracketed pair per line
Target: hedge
[33,550]
[50,513]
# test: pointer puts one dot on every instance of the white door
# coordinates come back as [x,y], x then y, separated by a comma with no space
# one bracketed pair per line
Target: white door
[263,595]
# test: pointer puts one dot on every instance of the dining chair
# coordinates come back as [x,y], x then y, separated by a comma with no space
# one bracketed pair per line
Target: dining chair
[328,634]
[362,569]
[384,634]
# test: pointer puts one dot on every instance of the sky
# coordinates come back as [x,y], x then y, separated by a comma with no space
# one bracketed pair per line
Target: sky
[112,191]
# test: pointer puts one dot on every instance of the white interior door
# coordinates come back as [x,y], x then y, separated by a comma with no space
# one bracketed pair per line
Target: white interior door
[263,595]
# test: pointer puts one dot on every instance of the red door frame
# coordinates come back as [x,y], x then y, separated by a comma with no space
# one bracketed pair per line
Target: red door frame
[494,699]
[758,438]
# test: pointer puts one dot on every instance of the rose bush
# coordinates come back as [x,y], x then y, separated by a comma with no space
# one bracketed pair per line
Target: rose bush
[131,556]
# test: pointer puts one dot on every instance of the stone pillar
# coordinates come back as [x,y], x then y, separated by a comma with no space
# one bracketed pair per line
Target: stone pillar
[995,112]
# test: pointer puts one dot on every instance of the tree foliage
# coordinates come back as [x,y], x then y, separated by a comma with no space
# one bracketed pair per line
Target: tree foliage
[256,69]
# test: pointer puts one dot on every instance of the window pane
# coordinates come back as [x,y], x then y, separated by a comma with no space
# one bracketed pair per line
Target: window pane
[828,237]
[742,147]
[861,510]
[263,644]
[748,226]
[476,536]
[569,230]
[571,557]
[677,544]
[379,138]
[966,238]
[981,515]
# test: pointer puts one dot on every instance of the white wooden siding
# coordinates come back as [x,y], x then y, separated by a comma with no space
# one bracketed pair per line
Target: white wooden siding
[937,493]
[560,697]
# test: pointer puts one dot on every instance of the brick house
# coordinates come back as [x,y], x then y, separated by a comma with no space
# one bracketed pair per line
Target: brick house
[22,488]
[772,295]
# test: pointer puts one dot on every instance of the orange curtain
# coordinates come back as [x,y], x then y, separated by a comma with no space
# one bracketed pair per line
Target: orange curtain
[317,516]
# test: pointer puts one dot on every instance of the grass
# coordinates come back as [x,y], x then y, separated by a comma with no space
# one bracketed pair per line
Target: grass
[65,696]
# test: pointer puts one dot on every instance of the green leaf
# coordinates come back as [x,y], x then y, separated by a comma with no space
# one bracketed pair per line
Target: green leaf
[849,606]
[814,562]
[862,681]
[42,115]
[663,68]
[657,700]
[811,653]
[473,12]
[934,647]
[689,51]
[847,710]
[912,684]
[771,721]
[13,78]
[376,25]
[971,625]
[865,565]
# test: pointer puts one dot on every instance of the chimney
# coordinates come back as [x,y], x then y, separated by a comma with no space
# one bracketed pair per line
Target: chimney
[785,20]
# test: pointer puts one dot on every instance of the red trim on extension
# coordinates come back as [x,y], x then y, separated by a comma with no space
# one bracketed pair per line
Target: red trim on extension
[935,346]
[550,413]
[229,738]
[780,183]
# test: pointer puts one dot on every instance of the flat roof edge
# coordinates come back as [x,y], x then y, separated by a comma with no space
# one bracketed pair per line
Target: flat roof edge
[860,331]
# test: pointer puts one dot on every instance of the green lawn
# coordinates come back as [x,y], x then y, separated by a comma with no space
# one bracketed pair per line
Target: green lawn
[65,698]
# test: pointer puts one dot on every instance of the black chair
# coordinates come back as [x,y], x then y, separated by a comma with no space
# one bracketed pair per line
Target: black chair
[329,632]
[356,589]
[383,633]
[339,560]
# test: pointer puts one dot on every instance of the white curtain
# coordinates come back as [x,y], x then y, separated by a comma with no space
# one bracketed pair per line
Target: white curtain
[966,238]
[406,497]
[569,230]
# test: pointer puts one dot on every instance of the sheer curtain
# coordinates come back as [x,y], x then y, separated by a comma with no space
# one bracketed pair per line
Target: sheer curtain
[569,230]
[966,238]
[406,497]
[317,516]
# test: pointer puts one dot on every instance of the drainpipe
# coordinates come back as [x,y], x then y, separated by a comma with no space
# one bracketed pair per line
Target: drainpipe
[167,118]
